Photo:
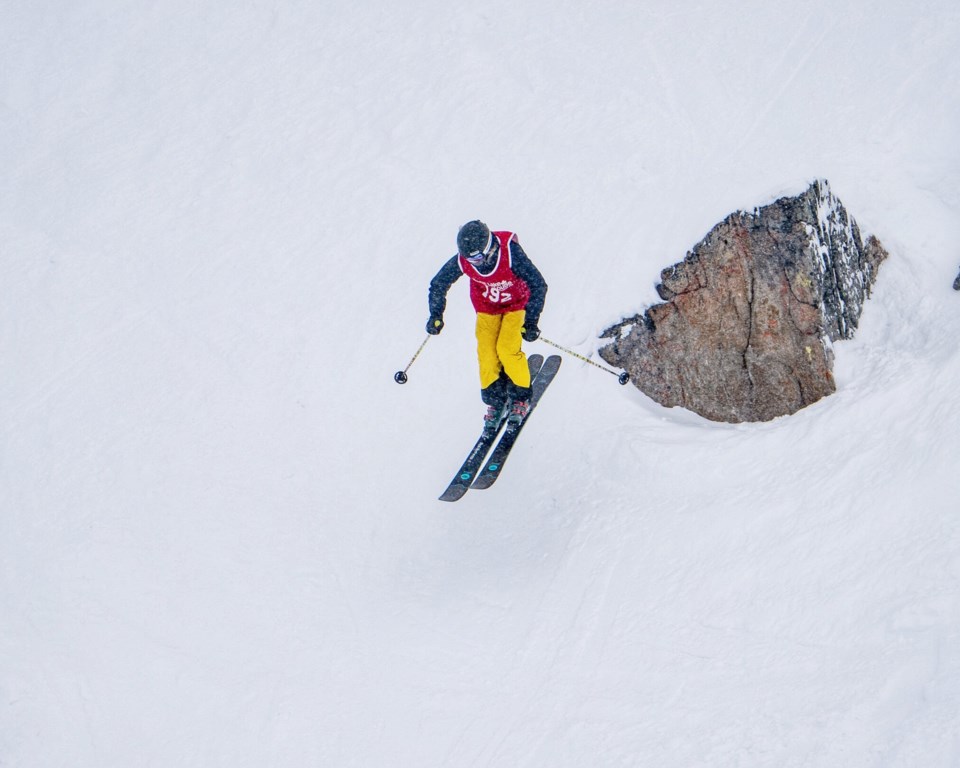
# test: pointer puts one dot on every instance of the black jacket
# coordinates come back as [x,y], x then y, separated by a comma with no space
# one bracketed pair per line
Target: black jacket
[522,267]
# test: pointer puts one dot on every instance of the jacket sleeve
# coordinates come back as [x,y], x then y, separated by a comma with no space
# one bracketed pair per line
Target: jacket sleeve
[526,271]
[437,298]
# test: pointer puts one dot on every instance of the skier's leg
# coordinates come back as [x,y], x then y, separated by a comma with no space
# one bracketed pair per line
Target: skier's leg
[491,385]
[511,355]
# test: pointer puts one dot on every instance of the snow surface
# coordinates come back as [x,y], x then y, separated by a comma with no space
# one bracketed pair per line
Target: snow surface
[220,543]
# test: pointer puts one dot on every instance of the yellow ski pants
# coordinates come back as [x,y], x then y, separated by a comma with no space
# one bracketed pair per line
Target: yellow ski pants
[498,347]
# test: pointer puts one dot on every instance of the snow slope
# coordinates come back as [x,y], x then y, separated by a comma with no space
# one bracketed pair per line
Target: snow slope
[220,543]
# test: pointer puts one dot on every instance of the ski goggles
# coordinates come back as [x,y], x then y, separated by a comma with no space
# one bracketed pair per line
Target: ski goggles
[475,257]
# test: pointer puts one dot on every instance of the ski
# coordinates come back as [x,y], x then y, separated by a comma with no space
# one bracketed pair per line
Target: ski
[468,470]
[491,470]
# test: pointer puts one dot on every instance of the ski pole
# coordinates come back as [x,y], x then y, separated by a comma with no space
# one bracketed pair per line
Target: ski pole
[622,377]
[401,376]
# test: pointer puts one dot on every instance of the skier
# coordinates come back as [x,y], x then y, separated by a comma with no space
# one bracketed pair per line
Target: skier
[956,283]
[507,292]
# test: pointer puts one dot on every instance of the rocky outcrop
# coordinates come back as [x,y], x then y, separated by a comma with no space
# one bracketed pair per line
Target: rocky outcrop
[745,330]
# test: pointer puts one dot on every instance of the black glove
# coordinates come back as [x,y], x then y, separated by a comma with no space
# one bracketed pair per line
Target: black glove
[531,332]
[434,325]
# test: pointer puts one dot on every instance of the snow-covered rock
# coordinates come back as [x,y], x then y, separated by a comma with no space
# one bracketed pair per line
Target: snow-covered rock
[749,316]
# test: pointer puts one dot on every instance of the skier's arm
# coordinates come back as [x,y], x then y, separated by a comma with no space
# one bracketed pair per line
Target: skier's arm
[437,297]
[526,271]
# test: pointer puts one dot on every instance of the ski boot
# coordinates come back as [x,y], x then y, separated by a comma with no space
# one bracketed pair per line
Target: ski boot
[518,412]
[493,418]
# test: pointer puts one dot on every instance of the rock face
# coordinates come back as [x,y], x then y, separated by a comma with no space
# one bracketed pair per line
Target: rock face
[745,330]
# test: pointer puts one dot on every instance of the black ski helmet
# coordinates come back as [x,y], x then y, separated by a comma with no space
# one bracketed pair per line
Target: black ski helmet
[473,237]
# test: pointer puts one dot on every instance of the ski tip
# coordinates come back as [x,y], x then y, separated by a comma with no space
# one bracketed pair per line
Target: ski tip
[453,493]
